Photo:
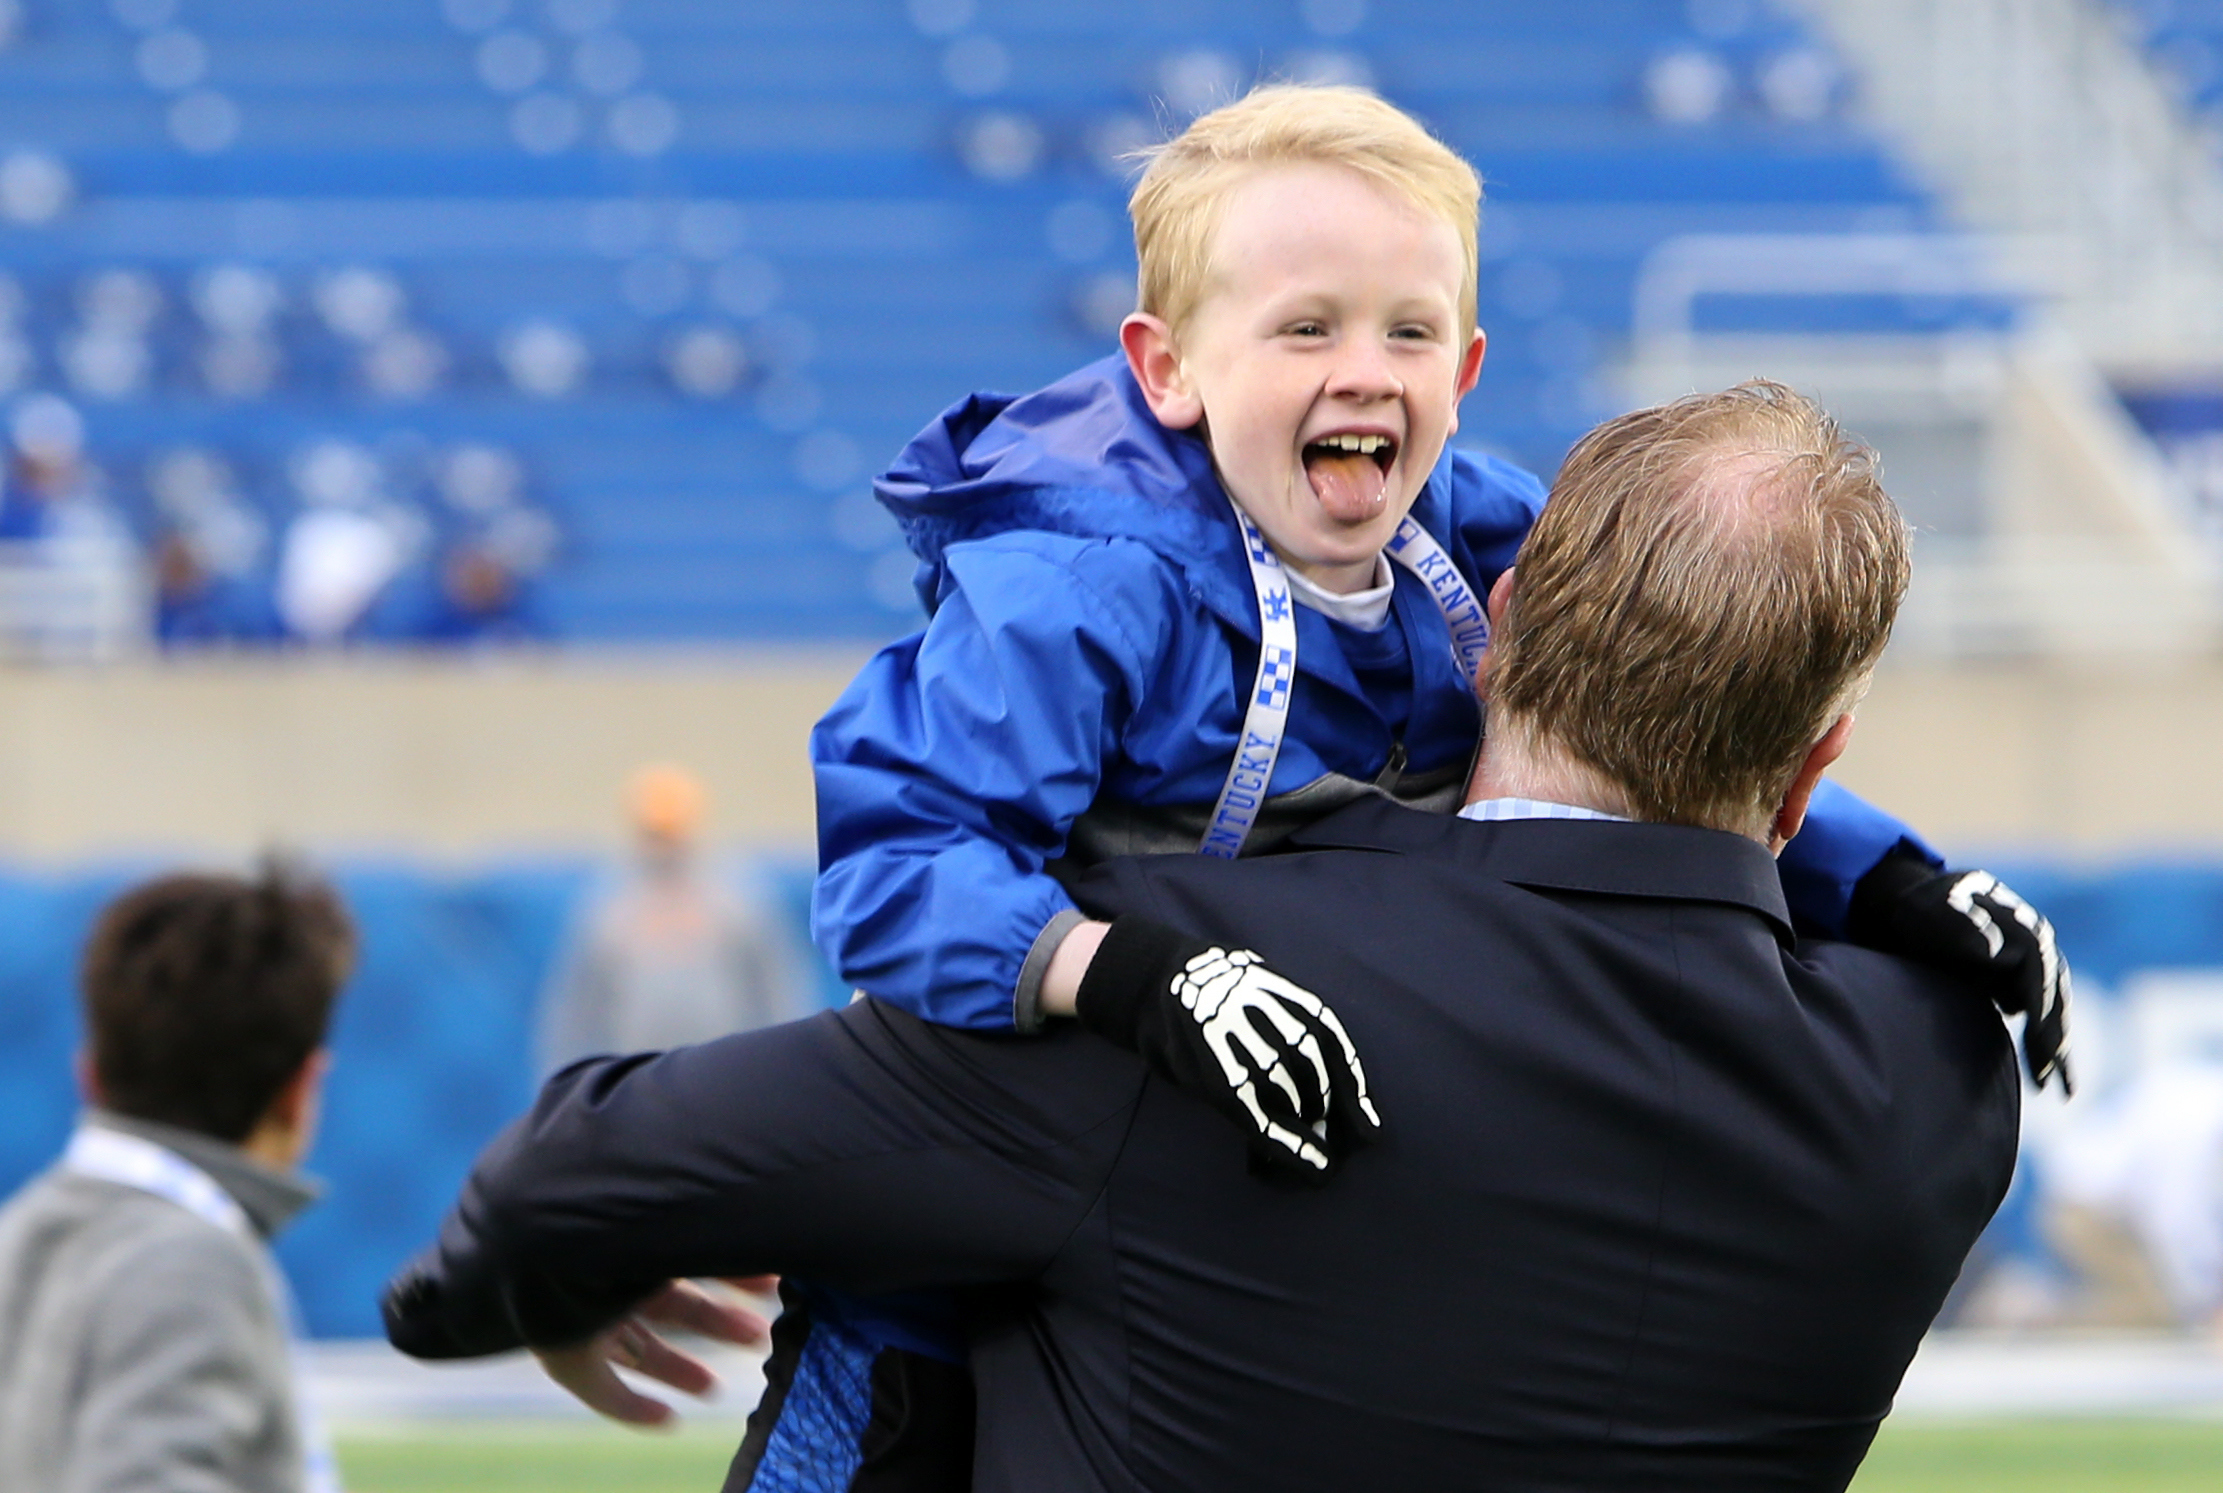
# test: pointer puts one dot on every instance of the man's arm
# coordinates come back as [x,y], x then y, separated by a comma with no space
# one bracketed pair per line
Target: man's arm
[863,1148]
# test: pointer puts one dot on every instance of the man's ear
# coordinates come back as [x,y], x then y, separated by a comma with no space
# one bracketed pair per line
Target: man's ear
[1148,344]
[1792,814]
[88,1080]
[1501,595]
[296,1104]
[1470,373]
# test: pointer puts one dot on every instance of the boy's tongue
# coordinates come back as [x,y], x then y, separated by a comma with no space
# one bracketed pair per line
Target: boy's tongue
[1350,486]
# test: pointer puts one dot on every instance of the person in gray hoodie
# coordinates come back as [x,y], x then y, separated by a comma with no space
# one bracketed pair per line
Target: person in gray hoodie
[145,1332]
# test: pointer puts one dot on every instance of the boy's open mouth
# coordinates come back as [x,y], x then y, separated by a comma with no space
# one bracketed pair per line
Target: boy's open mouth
[1350,474]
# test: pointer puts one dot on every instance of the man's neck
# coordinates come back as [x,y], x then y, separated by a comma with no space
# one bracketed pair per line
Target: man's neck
[1514,764]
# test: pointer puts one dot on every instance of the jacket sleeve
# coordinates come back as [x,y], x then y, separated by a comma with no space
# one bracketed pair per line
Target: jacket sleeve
[862,1148]
[951,770]
[1843,839]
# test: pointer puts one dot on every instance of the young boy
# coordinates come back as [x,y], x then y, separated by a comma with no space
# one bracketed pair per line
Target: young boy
[144,1338]
[1113,663]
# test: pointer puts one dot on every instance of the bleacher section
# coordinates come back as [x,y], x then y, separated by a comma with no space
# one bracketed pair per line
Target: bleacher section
[872,208]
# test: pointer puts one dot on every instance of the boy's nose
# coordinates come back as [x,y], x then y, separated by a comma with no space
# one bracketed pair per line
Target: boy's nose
[1363,372]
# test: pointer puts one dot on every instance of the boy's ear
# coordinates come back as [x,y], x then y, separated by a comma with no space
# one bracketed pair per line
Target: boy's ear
[1148,343]
[1470,372]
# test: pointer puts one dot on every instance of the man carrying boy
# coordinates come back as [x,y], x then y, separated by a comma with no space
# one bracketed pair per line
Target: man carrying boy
[1669,1195]
[144,1337]
[1166,615]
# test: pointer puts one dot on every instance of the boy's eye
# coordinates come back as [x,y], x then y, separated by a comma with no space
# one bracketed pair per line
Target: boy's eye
[1415,333]
[1307,329]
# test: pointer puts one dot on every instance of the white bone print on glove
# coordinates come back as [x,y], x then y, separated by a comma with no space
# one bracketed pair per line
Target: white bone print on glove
[1267,1034]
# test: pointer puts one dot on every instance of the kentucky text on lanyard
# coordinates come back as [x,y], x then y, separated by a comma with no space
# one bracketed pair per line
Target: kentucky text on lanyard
[1415,549]
[1266,717]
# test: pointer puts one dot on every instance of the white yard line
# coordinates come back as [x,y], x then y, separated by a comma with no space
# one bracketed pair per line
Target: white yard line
[1969,1374]
[367,1384]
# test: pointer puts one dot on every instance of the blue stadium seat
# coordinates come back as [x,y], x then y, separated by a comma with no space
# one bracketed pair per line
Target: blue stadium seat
[2185,40]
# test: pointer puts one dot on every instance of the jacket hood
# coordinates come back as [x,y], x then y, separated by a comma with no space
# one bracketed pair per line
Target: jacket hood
[1083,457]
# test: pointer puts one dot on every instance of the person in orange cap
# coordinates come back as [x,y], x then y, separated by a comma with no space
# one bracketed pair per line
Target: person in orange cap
[671,953]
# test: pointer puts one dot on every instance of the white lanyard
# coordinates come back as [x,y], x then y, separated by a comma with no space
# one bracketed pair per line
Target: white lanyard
[112,1156]
[1416,549]
[1266,717]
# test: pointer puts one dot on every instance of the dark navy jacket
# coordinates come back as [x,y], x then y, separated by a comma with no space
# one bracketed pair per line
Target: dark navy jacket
[1666,1198]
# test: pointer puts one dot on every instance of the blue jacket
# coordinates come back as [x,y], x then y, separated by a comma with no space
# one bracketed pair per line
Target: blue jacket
[1092,632]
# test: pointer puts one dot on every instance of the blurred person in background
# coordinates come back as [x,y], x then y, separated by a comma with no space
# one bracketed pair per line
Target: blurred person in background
[144,1327]
[480,596]
[672,954]
[346,544]
[210,584]
[53,492]
[482,588]
[46,440]
[69,570]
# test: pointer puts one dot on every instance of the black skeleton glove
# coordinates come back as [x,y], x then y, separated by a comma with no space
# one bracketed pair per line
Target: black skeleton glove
[1969,921]
[1261,1049]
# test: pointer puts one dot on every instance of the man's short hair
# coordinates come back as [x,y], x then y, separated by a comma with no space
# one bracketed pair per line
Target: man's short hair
[205,993]
[1707,589]
[1176,205]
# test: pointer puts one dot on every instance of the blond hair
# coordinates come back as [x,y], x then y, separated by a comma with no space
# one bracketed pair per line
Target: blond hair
[1707,589]
[1176,205]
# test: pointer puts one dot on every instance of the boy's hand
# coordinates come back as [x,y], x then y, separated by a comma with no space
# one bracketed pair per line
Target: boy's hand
[1969,921]
[1263,1050]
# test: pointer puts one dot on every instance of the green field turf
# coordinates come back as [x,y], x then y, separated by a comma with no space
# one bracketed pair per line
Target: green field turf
[2050,1456]
[2060,1456]
[537,1458]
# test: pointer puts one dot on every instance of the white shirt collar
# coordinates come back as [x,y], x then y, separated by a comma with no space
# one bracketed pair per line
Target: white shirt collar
[1491,810]
[1367,610]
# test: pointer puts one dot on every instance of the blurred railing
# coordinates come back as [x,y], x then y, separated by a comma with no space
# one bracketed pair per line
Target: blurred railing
[2056,594]
[67,600]
[2042,121]
[2046,522]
